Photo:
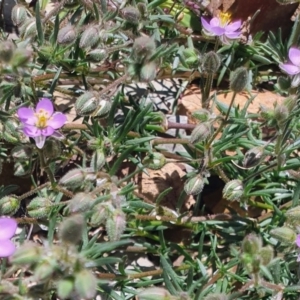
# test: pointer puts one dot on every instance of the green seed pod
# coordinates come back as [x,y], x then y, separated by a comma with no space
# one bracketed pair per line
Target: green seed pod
[73,179]
[293,214]
[143,47]
[86,104]
[211,62]
[290,103]
[154,161]
[190,57]
[284,234]
[22,152]
[39,207]
[253,157]
[142,7]
[18,15]
[66,35]
[233,190]
[52,148]
[131,15]
[284,83]
[97,55]
[65,287]
[251,244]
[71,229]
[216,296]
[99,215]
[9,205]
[28,29]
[27,253]
[98,160]
[22,167]
[239,79]
[148,72]
[115,225]
[90,37]
[21,57]
[201,132]
[281,114]
[154,293]
[81,202]
[86,284]
[194,185]
[6,51]
[202,115]
[45,269]
[266,255]
[103,108]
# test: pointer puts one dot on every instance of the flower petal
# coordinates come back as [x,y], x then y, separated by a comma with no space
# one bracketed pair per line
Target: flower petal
[233,35]
[296,80]
[57,120]
[218,31]
[289,69]
[7,248]
[294,56]
[215,22]
[45,104]
[26,115]
[298,240]
[31,131]
[206,25]
[40,141]
[47,131]
[233,26]
[8,228]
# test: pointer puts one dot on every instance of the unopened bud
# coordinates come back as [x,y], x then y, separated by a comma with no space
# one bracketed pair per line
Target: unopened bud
[22,167]
[76,177]
[52,148]
[266,255]
[293,214]
[281,113]
[131,15]
[103,108]
[201,132]
[98,160]
[28,29]
[89,37]
[290,103]
[284,83]
[266,113]
[45,268]
[252,244]
[6,51]
[202,115]
[211,62]
[115,225]
[191,57]
[143,48]
[194,185]
[71,229]
[253,157]
[39,207]
[18,15]
[233,190]
[81,202]
[10,131]
[21,57]
[9,205]
[239,79]
[66,35]
[85,284]
[284,234]
[148,72]
[99,215]
[142,7]
[97,55]
[65,287]
[86,104]
[154,161]
[216,296]
[27,253]
[154,293]
[21,152]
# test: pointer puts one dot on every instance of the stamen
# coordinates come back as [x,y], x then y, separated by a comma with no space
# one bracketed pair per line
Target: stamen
[225,18]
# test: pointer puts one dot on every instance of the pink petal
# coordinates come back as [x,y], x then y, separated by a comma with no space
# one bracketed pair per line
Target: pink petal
[40,141]
[26,115]
[7,248]
[47,131]
[233,35]
[8,228]
[294,56]
[46,105]
[289,69]
[298,240]
[31,131]
[218,31]
[215,22]
[233,26]
[57,120]
[206,25]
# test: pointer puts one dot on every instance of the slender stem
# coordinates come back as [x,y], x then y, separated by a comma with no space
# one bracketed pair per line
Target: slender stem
[45,167]
[230,106]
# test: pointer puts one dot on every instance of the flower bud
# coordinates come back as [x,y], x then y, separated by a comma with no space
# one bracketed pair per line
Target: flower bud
[154,293]
[97,55]
[99,215]
[251,244]
[103,108]
[22,167]
[143,48]
[71,229]
[28,29]
[39,207]
[266,255]
[233,190]
[66,35]
[89,37]
[239,79]
[45,268]
[253,157]
[73,178]
[190,57]
[293,214]
[65,287]
[10,131]
[284,234]
[21,57]
[201,132]
[148,72]
[18,15]
[9,205]
[202,115]
[291,103]
[211,62]
[131,15]
[27,253]
[81,202]
[216,296]
[98,160]
[142,7]
[284,83]
[86,104]
[266,113]
[281,113]
[154,161]
[6,51]
[52,148]
[194,185]
[115,225]
[21,152]
[85,284]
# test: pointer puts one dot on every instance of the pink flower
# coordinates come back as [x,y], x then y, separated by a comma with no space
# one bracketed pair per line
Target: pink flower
[7,230]
[222,27]
[41,122]
[293,67]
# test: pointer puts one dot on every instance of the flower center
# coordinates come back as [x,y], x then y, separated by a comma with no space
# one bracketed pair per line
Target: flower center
[42,118]
[225,18]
